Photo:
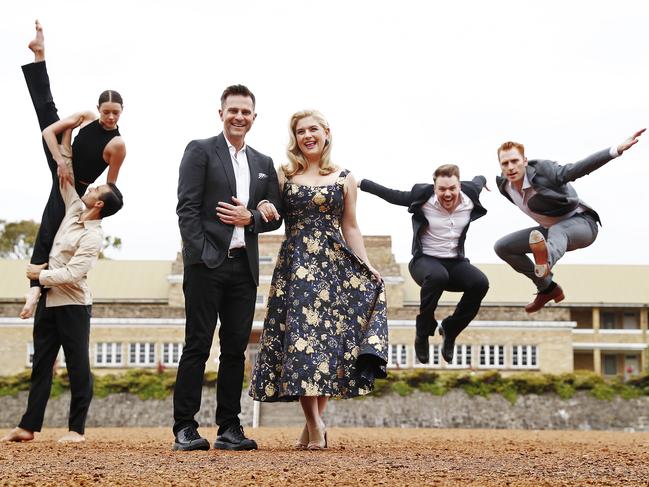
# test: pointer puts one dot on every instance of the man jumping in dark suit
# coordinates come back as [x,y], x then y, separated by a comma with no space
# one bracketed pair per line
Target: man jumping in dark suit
[441,215]
[227,194]
[542,190]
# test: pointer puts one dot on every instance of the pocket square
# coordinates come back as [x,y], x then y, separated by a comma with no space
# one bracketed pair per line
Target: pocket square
[262,175]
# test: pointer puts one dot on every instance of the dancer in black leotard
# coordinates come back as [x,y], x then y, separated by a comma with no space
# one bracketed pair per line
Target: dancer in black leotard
[97,146]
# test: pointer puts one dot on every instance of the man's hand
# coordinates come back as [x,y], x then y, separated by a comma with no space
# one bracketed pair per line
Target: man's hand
[268,211]
[64,173]
[631,141]
[34,271]
[236,214]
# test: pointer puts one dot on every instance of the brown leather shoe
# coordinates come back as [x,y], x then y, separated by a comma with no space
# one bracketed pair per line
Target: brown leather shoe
[540,251]
[542,299]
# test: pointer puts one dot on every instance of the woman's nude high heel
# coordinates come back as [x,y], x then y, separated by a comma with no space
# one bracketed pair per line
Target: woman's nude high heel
[303,441]
[320,433]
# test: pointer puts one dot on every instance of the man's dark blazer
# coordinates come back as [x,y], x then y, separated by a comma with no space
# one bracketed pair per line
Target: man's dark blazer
[418,195]
[207,177]
[554,195]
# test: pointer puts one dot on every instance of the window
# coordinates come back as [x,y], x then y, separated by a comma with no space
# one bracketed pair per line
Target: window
[607,320]
[108,354]
[30,354]
[619,320]
[259,302]
[434,353]
[630,321]
[141,354]
[524,356]
[171,353]
[610,364]
[265,259]
[461,357]
[398,356]
[492,356]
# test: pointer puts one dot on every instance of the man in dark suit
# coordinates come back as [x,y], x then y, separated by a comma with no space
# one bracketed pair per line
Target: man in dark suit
[441,215]
[227,194]
[542,190]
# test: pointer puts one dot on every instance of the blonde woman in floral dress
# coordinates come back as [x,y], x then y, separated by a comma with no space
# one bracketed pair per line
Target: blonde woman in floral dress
[325,333]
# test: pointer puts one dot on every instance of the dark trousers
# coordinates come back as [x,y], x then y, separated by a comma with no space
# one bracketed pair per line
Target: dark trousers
[67,326]
[435,276]
[38,84]
[229,294]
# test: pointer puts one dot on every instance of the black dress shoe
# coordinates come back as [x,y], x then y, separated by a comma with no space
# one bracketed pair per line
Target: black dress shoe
[422,349]
[448,345]
[234,439]
[188,439]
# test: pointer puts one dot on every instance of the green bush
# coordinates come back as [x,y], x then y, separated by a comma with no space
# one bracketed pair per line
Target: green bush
[402,388]
[152,384]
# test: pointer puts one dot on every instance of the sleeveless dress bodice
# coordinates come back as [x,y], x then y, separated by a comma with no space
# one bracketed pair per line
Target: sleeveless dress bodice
[88,152]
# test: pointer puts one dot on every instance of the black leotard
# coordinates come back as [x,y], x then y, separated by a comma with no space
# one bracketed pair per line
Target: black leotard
[88,154]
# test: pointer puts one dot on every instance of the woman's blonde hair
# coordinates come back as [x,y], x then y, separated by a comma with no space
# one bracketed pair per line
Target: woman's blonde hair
[296,161]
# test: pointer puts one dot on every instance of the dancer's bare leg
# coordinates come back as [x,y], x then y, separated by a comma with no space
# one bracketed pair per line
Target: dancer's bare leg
[72,437]
[18,434]
[31,300]
[37,44]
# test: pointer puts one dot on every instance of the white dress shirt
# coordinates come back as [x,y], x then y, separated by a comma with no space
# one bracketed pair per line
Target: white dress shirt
[242,177]
[441,236]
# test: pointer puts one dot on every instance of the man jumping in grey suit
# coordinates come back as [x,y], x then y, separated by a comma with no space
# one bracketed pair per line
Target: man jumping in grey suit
[542,190]
[227,195]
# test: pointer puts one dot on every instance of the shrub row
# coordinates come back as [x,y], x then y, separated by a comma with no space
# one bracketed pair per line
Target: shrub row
[159,385]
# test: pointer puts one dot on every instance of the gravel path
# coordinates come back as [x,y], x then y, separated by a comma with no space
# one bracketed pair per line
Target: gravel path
[367,457]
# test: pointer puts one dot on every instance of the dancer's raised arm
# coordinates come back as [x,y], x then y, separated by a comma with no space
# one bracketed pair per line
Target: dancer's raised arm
[50,134]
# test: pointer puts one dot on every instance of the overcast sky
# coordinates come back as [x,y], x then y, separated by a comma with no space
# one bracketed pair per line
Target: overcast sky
[406,86]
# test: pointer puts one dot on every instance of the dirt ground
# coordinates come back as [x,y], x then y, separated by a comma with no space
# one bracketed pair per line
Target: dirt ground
[367,457]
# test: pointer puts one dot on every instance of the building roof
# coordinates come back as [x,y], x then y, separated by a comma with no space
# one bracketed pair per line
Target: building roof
[583,285]
[109,280]
[148,280]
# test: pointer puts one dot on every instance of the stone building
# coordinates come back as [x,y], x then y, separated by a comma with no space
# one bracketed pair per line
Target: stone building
[138,317]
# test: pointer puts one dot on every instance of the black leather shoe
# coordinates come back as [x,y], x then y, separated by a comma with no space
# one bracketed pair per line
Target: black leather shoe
[422,349]
[234,439]
[448,345]
[188,439]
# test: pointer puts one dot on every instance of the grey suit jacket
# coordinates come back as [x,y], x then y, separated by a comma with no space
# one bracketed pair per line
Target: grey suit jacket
[555,196]
[206,176]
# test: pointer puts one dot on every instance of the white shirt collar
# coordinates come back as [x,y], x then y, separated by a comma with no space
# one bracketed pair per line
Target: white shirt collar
[232,148]
[526,184]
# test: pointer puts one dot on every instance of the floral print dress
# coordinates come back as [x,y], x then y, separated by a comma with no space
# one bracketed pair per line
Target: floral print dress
[326,311]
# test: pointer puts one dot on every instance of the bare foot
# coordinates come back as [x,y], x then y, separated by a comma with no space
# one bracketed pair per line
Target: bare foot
[18,434]
[37,44]
[31,300]
[72,437]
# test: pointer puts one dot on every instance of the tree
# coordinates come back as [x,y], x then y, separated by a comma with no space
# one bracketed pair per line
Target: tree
[17,240]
